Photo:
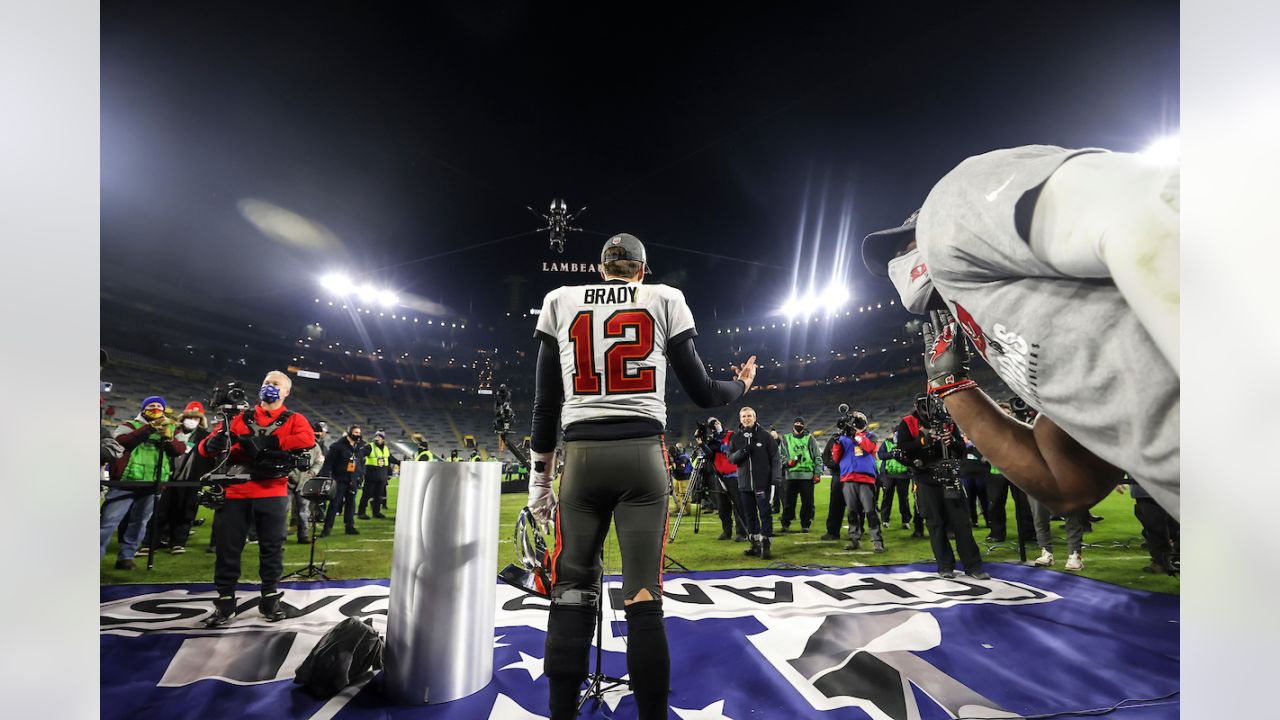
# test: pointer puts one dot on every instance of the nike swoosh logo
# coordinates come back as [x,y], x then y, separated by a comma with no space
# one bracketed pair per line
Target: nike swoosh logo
[991,196]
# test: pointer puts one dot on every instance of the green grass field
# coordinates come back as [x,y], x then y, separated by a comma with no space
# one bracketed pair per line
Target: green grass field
[1113,551]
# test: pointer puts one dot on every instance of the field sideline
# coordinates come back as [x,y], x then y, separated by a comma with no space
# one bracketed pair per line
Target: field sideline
[1113,551]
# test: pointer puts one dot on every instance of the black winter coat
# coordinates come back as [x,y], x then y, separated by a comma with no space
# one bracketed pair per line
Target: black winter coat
[756,454]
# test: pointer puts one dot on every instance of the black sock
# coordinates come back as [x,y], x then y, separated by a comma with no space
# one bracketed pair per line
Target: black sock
[569,631]
[648,660]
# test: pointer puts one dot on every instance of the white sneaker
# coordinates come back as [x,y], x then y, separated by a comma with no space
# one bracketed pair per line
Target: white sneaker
[1074,562]
[1045,559]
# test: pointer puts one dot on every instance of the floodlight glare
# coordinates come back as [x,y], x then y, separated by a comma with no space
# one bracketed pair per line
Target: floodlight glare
[367,293]
[336,282]
[834,296]
[1165,151]
[387,298]
[791,307]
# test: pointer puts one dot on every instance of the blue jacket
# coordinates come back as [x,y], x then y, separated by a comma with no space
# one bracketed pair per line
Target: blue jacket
[857,457]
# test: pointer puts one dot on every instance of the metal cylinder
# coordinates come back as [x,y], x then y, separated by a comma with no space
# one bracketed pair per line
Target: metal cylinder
[443,588]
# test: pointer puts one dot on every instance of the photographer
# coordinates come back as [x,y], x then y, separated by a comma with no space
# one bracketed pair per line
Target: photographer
[303,509]
[681,469]
[179,505]
[264,441]
[759,476]
[855,451]
[895,478]
[800,457]
[344,463]
[377,469]
[836,515]
[149,447]
[1061,267]
[722,476]
[926,438]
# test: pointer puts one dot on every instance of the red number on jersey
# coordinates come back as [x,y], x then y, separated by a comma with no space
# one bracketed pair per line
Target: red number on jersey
[618,382]
[586,380]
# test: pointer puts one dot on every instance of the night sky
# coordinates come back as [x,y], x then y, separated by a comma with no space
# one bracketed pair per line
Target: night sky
[246,150]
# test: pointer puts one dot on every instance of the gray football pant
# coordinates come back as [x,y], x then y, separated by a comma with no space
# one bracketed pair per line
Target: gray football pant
[1040,515]
[862,497]
[620,480]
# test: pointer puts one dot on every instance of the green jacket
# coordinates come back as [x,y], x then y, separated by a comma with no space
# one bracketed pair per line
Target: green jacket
[889,466]
[804,450]
[425,455]
[142,460]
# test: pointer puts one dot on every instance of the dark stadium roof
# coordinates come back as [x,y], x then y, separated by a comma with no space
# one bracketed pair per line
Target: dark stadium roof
[248,150]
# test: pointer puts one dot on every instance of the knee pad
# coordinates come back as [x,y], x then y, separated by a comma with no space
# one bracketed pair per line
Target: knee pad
[569,630]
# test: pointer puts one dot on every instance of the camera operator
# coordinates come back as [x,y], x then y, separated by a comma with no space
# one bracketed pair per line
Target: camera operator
[894,478]
[836,514]
[344,463]
[179,505]
[681,469]
[923,437]
[377,468]
[1061,267]
[302,508]
[999,487]
[800,457]
[722,476]
[264,440]
[755,453]
[855,451]
[149,447]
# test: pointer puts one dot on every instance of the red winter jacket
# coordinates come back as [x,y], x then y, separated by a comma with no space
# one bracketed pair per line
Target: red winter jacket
[294,434]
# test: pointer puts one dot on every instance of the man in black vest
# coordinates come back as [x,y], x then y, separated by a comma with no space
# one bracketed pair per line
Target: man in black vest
[345,464]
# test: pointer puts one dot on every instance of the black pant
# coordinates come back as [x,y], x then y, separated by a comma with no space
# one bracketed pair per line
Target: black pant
[175,512]
[835,510]
[233,520]
[943,514]
[344,500]
[998,487]
[802,488]
[375,489]
[901,484]
[1159,528]
[759,511]
[725,491]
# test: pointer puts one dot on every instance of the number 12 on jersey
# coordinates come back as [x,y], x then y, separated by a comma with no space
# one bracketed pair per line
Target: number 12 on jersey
[617,381]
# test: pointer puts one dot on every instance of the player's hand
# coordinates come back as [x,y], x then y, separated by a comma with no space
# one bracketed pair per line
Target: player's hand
[792,463]
[946,355]
[746,373]
[817,479]
[542,498]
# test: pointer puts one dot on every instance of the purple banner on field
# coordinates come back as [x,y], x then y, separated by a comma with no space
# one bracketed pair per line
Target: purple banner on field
[886,643]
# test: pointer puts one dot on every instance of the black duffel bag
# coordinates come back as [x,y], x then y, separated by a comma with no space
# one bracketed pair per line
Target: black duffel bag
[347,654]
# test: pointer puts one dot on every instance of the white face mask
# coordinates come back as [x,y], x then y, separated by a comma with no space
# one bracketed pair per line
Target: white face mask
[910,276]
[190,423]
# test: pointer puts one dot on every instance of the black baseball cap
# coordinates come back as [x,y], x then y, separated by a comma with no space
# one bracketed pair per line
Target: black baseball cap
[634,249]
[798,421]
[881,246]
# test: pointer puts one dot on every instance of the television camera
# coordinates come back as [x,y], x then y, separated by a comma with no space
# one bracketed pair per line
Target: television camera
[557,220]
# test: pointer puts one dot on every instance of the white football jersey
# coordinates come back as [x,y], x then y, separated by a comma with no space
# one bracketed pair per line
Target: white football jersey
[613,338]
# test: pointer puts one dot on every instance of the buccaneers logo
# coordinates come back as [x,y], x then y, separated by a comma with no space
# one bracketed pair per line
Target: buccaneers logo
[972,329]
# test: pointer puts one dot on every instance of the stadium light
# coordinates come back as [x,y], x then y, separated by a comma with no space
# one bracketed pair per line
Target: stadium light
[834,296]
[1164,151]
[386,298]
[367,293]
[338,283]
[791,307]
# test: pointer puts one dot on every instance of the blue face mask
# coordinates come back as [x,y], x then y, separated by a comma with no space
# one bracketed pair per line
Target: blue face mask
[269,393]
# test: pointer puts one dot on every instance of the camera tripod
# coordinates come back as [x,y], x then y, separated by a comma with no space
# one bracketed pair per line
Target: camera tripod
[598,683]
[312,570]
